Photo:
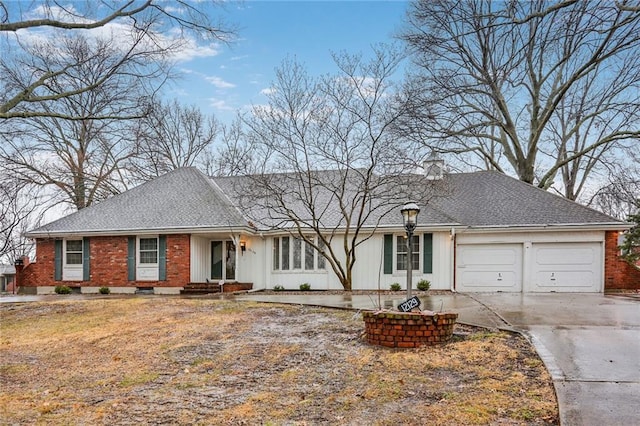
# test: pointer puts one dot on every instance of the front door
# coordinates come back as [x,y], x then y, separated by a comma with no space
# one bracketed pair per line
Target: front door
[223,260]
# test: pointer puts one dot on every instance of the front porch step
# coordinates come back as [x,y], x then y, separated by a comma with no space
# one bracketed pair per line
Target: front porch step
[207,288]
[201,288]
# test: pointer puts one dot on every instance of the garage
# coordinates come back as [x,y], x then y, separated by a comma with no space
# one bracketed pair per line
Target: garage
[566,267]
[489,267]
[542,267]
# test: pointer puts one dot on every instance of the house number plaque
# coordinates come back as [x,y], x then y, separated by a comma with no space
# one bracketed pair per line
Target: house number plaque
[407,306]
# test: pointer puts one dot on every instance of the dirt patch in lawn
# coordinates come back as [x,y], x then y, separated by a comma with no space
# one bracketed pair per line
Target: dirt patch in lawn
[201,361]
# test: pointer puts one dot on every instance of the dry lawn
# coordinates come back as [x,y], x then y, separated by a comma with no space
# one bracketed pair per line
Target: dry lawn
[155,360]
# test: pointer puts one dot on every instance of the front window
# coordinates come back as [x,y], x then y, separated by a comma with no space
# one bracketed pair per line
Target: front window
[74,252]
[148,251]
[401,252]
[296,254]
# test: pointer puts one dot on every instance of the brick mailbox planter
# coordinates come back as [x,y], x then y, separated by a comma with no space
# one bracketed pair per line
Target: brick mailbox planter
[408,330]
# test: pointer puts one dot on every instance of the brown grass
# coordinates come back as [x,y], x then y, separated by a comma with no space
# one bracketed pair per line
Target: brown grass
[200,361]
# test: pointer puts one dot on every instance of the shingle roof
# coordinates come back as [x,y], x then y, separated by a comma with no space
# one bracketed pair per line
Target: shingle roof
[183,198]
[490,198]
[187,199]
[479,199]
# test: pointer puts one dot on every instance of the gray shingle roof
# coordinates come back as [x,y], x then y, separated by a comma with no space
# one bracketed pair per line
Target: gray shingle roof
[495,199]
[183,198]
[187,199]
[480,199]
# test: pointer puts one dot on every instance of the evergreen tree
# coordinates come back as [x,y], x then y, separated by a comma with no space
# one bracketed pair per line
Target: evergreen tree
[631,245]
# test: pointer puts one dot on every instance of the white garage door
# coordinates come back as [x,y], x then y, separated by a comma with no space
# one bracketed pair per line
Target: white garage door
[489,267]
[566,267]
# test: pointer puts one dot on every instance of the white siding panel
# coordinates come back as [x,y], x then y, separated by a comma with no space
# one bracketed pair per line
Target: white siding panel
[200,258]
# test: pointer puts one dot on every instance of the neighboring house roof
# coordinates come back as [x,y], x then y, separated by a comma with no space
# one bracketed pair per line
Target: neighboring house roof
[186,199]
[182,199]
[7,270]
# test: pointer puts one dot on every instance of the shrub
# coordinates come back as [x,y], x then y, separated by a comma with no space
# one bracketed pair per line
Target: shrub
[305,286]
[62,289]
[424,285]
[395,287]
[104,290]
[278,287]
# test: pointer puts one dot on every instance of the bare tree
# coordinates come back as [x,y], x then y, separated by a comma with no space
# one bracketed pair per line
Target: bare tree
[172,136]
[328,152]
[619,196]
[143,28]
[234,156]
[81,159]
[20,209]
[537,88]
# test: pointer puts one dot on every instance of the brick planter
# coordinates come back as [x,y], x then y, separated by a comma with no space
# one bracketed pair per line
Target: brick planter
[408,330]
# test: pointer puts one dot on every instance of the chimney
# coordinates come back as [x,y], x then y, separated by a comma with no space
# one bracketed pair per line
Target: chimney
[433,167]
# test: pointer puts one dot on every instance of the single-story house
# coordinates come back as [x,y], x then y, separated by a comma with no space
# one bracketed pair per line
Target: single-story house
[489,232]
[7,277]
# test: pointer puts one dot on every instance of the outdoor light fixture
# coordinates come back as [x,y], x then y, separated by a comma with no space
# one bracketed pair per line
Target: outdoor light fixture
[243,246]
[410,221]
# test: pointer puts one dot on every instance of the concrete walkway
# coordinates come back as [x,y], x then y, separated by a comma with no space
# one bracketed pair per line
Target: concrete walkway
[590,343]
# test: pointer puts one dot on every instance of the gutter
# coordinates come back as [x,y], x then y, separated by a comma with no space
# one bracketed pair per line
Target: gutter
[141,231]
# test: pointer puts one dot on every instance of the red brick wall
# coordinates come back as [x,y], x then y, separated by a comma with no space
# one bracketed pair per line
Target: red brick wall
[39,273]
[618,274]
[408,330]
[109,264]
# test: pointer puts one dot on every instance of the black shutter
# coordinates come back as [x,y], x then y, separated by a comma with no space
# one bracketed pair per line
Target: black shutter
[427,260]
[131,258]
[162,258]
[388,254]
[86,260]
[57,262]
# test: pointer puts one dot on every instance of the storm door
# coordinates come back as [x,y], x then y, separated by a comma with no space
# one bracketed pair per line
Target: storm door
[223,260]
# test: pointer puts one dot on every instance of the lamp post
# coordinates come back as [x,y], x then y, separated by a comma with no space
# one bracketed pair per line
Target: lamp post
[410,220]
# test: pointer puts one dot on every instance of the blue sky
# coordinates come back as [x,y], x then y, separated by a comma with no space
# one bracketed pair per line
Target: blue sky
[269,31]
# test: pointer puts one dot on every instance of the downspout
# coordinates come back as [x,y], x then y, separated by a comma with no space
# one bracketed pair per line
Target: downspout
[453,260]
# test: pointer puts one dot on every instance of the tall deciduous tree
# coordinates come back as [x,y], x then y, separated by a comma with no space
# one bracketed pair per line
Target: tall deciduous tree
[328,151]
[80,158]
[145,30]
[73,77]
[20,209]
[536,88]
[172,136]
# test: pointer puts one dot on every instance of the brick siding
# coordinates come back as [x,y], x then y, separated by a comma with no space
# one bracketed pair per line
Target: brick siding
[618,274]
[108,265]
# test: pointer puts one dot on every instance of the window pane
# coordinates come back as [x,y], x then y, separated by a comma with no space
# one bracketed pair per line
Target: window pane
[148,257]
[401,252]
[74,252]
[230,271]
[415,253]
[74,258]
[148,244]
[321,259]
[297,253]
[285,253]
[276,253]
[74,245]
[308,256]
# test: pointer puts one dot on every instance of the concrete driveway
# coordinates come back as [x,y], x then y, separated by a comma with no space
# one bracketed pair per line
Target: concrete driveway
[590,344]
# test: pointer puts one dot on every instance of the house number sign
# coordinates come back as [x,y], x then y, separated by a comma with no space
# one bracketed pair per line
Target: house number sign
[407,306]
